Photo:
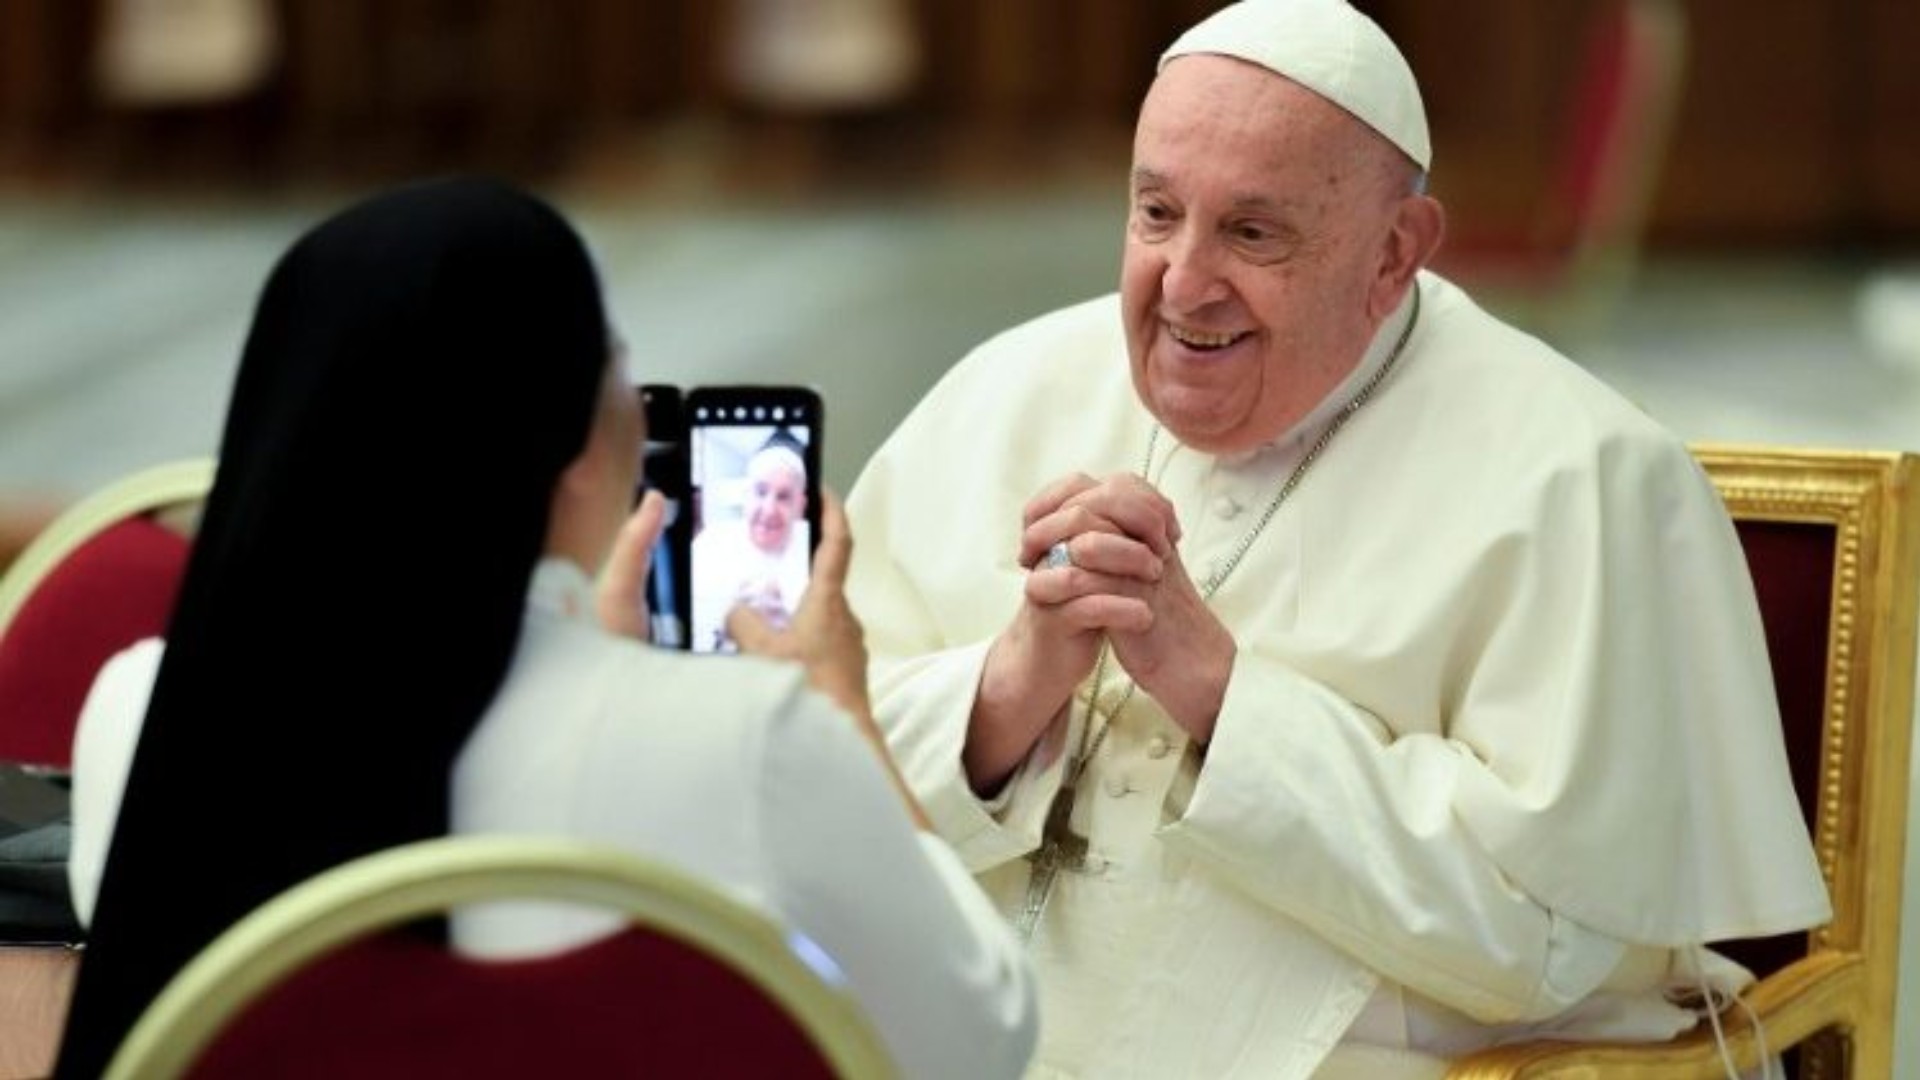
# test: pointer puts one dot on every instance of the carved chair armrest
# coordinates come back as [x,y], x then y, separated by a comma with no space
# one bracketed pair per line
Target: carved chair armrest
[1807,996]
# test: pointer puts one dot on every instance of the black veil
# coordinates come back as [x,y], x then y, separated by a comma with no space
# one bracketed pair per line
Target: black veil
[420,369]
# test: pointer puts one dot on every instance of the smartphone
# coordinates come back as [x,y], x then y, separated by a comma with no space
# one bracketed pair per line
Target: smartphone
[664,468]
[754,456]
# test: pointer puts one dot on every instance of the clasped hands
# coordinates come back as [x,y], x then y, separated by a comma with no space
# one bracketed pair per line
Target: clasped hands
[1126,585]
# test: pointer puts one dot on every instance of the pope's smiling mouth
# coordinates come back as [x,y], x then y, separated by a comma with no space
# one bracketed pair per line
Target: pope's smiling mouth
[1204,341]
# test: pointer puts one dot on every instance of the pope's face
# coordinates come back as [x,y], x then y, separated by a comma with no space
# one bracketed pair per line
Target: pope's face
[776,497]
[1255,235]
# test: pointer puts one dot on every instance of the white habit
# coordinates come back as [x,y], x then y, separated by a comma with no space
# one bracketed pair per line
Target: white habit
[727,768]
[1498,748]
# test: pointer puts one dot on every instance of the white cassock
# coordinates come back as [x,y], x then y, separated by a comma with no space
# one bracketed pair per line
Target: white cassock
[1498,752]
[727,768]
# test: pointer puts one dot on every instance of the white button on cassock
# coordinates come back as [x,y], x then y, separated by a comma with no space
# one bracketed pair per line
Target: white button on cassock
[1158,746]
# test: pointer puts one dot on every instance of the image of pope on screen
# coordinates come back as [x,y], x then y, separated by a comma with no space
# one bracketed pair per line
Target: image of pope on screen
[752,543]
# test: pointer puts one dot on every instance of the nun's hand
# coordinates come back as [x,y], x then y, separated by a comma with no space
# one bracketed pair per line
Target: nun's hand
[620,598]
[824,636]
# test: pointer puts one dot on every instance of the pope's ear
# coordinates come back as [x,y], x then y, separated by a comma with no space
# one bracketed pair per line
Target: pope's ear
[1419,224]
[1423,221]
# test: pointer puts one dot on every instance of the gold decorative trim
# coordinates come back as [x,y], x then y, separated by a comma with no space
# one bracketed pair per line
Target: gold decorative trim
[1825,491]
[1862,495]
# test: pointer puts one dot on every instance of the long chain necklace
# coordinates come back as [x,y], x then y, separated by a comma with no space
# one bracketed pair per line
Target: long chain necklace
[1060,847]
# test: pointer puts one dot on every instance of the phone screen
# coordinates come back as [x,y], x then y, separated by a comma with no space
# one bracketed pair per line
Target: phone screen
[755,465]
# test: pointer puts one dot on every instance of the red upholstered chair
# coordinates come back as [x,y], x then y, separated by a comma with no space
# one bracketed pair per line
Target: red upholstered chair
[324,982]
[101,576]
[1833,543]
[1571,257]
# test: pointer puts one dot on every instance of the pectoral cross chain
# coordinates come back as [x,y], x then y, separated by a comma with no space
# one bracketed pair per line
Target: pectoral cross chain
[1060,849]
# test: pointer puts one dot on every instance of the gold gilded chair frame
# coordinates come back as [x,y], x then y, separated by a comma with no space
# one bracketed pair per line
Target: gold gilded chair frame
[1837,1003]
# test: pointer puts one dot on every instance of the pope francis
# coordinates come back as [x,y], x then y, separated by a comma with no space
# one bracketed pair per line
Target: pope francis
[1326,678]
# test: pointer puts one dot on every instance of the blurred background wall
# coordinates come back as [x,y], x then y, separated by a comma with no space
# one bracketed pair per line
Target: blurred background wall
[851,193]
[1795,126]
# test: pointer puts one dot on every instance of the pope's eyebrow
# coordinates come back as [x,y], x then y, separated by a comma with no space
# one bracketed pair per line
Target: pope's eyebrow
[1262,203]
[1144,177]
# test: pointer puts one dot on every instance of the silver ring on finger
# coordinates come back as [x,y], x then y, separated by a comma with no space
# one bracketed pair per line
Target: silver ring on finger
[1059,556]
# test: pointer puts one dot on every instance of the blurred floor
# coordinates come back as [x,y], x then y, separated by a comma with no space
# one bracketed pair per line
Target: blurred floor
[121,319]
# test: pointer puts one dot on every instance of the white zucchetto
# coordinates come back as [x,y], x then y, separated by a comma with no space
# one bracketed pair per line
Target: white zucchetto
[1329,48]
